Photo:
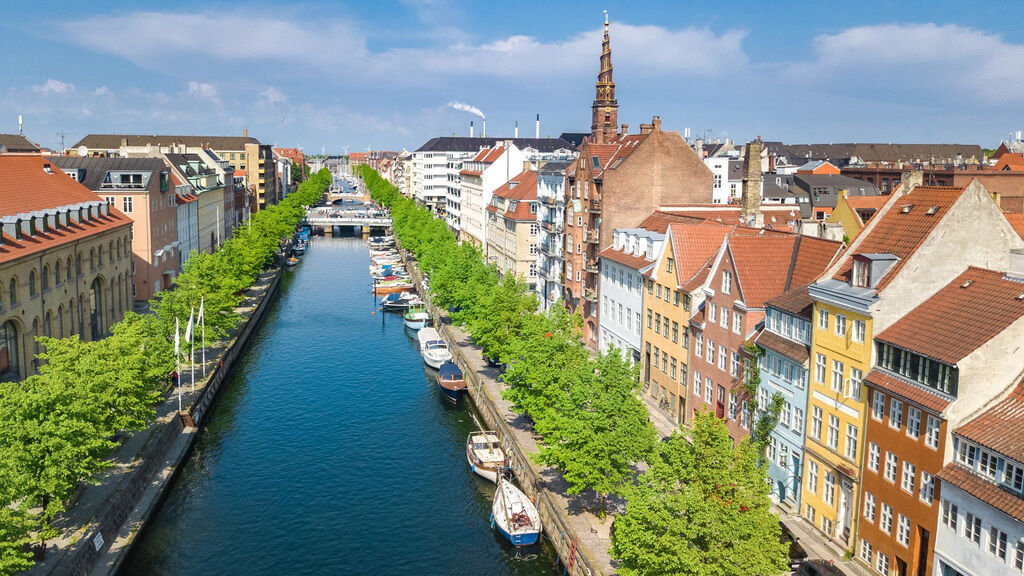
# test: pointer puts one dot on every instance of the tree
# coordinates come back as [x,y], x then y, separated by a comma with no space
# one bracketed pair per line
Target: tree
[14,540]
[767,416]
[504,312]
[702,509]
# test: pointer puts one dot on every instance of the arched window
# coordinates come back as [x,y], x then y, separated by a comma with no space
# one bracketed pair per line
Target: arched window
[9,369]
[68,269]
[99,256]
[12,292]
[110,251]
[35,344]
[92,259]
[56,273]
[118,248]
[81,315]
[95,309]
[46,277]
[78,264]
[71,315]
[32,284]
[60,321]
[48,324]
[120,294]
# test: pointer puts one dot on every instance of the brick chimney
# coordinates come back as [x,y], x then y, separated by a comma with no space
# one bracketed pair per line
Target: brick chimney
[750,204]
[625,130]
[911,179]
[656,124]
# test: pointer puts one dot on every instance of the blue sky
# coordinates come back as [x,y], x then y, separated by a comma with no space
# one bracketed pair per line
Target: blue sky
[381,74]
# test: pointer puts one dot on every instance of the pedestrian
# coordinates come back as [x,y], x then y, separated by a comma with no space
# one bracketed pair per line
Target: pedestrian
[174,378]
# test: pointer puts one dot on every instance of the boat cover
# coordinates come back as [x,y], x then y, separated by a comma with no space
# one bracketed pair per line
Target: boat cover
[449,371]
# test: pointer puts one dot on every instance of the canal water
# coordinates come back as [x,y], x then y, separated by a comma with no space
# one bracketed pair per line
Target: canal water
[330,451]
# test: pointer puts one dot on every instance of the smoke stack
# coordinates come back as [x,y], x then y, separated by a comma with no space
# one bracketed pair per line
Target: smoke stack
[538,127]
[21,131]
[470,128]
[517,130]
[245,132]
[483,132]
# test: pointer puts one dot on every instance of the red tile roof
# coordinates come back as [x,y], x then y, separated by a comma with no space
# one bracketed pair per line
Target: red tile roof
[901,230]
[629,260]
[1001,427]
[910,392]
[25,187]
[767,265]
[796,302]
[522,189]
[776,216]
[694,245]
[979,303]
[988,492]
[1016,220]
[784,346]
[624,147]
[1010,161]
[470,172]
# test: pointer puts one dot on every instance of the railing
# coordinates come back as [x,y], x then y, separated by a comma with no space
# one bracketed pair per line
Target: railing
[549,200]
[592,236]
[590,295]
[550,226]
[591,267]
[551,249]
[594,207]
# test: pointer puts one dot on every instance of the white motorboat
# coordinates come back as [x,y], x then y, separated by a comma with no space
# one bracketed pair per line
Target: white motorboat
[485,455]
[416,317]
[433,349]
[514,515]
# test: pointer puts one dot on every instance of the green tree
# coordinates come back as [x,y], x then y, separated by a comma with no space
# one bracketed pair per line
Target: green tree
[504,312]
[702,509]
[14,539]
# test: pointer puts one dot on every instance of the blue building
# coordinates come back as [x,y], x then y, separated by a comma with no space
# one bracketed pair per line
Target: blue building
[786,342]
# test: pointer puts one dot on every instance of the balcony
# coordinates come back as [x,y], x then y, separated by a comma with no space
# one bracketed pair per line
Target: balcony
[592,236]
[551,249]
[594,207]
[548,200]
[590,295]
[554,227]
[590,267]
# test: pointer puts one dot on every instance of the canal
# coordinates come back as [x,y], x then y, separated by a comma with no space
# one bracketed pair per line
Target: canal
[329,451]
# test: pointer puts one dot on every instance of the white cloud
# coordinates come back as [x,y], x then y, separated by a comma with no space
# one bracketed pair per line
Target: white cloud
[203,91]
[272,96]
[55,87]
[101,91]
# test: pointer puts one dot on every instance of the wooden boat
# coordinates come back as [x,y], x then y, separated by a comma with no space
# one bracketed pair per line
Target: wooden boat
[485,454]
[416,317]
[451,382]
[433,349]
[514,515]
[291,261]
[389,286]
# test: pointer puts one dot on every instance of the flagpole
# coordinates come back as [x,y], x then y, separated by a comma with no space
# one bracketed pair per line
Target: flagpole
[193,360]
[202,320]
[177,360]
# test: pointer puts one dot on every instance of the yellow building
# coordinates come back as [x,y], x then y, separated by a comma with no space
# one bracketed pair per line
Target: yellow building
[853,212]
[918,242]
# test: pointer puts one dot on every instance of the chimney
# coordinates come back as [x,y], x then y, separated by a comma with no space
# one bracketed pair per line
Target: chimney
[700,148]
[245,132]
[646,128]
[625,129]
[470,128]
[656,123]
[1015,271]
[21,125]
[516,132]
[911,179]
[537,135]
[750,204]
[483,132]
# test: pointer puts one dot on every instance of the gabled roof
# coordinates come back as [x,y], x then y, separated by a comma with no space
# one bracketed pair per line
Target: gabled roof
[796,302]
[979,303]
[17,143]
[1016,220]
[768,265]
[1010,161]
[694,245]
[776,216]
[865,204]
[113,141]
[988,492]
[902,229]
[522,189]
[1001,427]
[467,144]
[788,348]
[628,260]
[659,221]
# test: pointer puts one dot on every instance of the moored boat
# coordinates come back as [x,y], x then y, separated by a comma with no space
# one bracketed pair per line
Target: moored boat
[389,286]
[514,515]
[292,261]
[416,317]
[485,454]
[451,382]
[400,300]
[433,349]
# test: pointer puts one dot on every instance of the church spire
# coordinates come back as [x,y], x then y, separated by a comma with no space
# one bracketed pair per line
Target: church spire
[603,127]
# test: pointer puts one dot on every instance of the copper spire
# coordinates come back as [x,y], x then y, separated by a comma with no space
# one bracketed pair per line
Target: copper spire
[605,85]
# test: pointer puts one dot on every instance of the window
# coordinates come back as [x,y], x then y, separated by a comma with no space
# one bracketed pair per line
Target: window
[664,363]
[833,431]
[895,413]
[949,514]
[786,416]
[722,357]
[675,332]
[913,422]
[709,390]
[711,352]
[972,528]
[650,317]
[877,405]
[885,520]
[812,477]
[32,292]
[737,323]
[669,265]
[851,442]
[931,438]
[657,323]
[696,384]
[734,364]
[110,200]
[733,406]
[126,204]
[891,462]
[712,318]
[657,355]
[966,454]
[798,419]
[1013,477]
[869,506]
[809,513]
[819,373]
[997,543]
[822,318]
[725,318]
[659,291]
[837,375]
[874,456]
[816,423]
[672,373]
[882,564]
[828,492]
[700,344]
[854,383]
[903,530]
[987,464]
[726,282]
[909,471]
[927,491]
[865,551]
[1018,558]
[859,330]
[840,325]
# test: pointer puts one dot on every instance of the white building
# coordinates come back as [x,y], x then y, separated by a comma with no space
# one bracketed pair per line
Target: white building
[187,221]
[634,250]
[981,510]
[479,177]
[551,218]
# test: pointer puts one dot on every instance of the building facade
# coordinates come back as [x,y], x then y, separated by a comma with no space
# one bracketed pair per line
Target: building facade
[623,265]
[512,228]
[551,217]
[490,168]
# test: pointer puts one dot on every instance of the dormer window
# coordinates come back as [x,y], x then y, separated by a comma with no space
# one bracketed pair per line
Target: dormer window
[861,273]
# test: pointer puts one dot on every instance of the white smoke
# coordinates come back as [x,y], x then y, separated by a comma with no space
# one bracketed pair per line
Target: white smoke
[467,108]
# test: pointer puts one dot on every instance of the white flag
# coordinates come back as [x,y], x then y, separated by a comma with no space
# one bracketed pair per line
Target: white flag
[199,316]
[188,327]
[177,338]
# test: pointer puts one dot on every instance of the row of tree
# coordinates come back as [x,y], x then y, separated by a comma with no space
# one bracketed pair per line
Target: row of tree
[701,507]
[61,425]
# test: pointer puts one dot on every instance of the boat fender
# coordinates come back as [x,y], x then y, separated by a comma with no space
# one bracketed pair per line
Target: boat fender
[492,521]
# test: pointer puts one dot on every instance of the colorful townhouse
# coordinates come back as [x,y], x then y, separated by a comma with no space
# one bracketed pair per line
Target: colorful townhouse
[752,267]
[785,343]
[622,287]
[674,292]
[926,381]
[981,510]
[920,240]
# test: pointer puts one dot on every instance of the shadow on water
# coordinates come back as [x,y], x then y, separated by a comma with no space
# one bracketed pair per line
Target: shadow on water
[330,451]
